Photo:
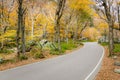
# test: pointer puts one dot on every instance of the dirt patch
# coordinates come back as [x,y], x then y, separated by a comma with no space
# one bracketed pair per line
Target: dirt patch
[106,71]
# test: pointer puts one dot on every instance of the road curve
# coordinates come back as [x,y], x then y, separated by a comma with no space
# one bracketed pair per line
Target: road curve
[77,65]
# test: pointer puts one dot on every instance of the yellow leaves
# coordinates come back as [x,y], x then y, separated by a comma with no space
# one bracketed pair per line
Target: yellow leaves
[13,18]
[8,35]
[102,26]
[116,25]
[91,33]
[96,15]
[80,4]
[41,19]
[50,29]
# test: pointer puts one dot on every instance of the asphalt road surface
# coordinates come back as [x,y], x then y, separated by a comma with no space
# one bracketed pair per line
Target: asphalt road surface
[77,65]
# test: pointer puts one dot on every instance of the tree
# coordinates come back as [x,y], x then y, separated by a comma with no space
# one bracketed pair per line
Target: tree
[6,7]
[82,15]
[118,12]
[34,11]
[21,27]
[105,9]
[58,15]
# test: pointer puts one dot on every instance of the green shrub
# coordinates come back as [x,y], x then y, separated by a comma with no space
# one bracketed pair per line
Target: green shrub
[23,57]
[68,46]
[6,51]
[38,56]
[55,52]
[10,44]
[117,48]
[35,50]
[104,44]
[65,47]
[87,40]
[1,60]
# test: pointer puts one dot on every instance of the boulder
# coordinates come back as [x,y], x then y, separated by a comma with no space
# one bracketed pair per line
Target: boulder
[117,71]
[114,57]
[1,60]
[117,63]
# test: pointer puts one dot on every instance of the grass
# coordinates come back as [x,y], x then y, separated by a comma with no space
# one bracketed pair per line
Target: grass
[117,48]
[87,40]
[66,46]
[104,44]
[6,51]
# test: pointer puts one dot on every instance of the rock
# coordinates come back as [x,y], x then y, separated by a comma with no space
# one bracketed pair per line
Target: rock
[1,60]
[117,63]
[114,57]
[117,71]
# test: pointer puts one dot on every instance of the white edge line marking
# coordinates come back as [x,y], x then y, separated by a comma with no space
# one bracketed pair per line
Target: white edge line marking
[96,65]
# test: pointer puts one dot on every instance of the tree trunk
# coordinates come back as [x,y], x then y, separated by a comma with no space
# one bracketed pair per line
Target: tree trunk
[18,34]
[119,15]
[44,31]
[57,34]
[111,39]
[32,31]
[23,35]
[59,39]
[76,34]
[2,22]
[83,28]
[58,15]
[66,32]
[21,28]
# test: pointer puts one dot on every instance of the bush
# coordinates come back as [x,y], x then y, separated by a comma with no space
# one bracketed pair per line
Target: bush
[55,52]
[65,47]
[35,49]
[1,60]
[117,48]
[36,53]
[23,57]
[68,46]
[104,44]
[10,44]
[6,51]
[38,56]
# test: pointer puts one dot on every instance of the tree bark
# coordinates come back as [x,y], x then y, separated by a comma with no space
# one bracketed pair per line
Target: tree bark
[23,34]
[111,42]
[119,15]
[21,28]
[86,23]
[66,32]
[2,22]
[32,31]
[111,25]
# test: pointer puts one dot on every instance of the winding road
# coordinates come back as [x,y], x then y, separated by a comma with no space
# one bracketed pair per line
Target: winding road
[82,64]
